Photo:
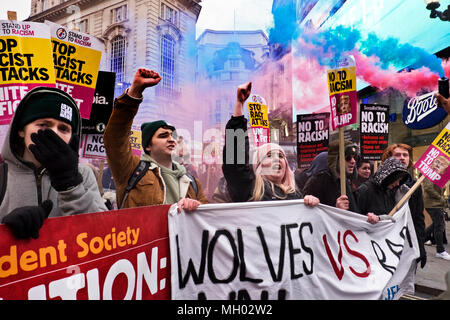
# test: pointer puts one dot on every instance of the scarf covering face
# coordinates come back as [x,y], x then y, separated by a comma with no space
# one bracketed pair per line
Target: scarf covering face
[171,178]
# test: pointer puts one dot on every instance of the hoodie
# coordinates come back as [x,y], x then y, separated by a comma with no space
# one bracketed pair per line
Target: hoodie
[30,186]
[318,164]
[374,195]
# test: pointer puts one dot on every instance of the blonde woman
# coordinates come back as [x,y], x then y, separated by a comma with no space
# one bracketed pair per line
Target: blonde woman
[269,177]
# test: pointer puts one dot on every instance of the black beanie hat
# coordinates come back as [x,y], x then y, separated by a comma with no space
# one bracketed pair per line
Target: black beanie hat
[148,129]
[49,103]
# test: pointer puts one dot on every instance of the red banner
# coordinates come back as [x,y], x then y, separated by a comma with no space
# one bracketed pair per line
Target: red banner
[99,256]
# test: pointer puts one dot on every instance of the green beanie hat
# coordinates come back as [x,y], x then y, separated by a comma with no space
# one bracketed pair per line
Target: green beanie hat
[148,129]
[49,103]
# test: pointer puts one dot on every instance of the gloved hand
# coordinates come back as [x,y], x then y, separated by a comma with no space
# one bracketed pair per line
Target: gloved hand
[422,258]
[25,222]
[60,159]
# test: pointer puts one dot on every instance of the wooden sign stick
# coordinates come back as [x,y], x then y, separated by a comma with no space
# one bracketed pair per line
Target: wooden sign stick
[342,171]
[407,195]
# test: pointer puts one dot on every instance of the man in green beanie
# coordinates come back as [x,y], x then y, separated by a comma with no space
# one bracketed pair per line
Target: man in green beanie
[165,181]
[43,177]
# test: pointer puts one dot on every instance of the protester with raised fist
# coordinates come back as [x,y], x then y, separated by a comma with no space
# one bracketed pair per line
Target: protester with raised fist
[164,180]
[42,174]
[269,177]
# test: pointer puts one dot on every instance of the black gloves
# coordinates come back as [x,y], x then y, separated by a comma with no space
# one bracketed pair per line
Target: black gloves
[60,159]
[422,258]
[25,222]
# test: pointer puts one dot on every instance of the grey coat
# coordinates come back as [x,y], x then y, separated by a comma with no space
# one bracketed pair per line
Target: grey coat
[25,185]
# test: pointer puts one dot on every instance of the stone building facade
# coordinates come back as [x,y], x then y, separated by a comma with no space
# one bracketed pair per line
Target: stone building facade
[155,34]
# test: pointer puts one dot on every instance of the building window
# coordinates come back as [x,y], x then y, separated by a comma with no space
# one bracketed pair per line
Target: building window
[83,26]
[217,113]
[225,76]
[234,63]
[167,65]
[119,14]
[118,57]
[169,14]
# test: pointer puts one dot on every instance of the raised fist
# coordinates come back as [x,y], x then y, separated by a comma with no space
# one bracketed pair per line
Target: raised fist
[143,78]
[243,91]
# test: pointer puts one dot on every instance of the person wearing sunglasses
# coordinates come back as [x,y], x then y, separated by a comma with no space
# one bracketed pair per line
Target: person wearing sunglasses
[325,184]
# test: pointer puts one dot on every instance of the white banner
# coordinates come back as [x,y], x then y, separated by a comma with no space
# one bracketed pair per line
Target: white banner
[285,250]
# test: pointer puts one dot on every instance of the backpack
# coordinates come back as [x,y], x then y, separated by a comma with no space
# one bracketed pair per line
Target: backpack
[139,173]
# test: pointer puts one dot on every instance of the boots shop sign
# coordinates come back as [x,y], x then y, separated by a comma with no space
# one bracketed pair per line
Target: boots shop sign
[422,112]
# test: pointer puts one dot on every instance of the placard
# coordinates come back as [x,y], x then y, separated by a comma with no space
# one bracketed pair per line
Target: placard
[374,130]
[259,120]
[76,57]
[434,162]
[25,62]
[312,137]
[342,92]
[102,104]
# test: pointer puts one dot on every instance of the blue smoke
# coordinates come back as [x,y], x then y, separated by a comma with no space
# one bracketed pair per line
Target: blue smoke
[393,53]
[339,40]
[285,27]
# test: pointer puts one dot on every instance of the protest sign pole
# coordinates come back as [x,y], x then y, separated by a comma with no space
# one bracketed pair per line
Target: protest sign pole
[342,171]
[100,176]
[407,195]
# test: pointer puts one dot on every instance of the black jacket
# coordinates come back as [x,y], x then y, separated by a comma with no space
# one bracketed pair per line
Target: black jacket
[240,177]
[326,184]
[373,195]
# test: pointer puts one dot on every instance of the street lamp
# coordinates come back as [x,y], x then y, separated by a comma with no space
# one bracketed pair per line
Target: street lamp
[433,5]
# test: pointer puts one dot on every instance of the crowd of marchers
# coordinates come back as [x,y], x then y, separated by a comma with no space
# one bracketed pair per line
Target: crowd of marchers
[41,177]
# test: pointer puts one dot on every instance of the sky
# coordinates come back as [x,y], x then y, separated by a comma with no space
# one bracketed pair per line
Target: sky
[22,7]
[215,14]
[244,14]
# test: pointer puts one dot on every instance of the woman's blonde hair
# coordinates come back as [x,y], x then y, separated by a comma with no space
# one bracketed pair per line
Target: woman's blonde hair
[287,182]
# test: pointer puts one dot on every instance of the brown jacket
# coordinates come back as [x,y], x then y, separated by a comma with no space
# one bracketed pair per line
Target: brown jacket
[151,189]
[433,196]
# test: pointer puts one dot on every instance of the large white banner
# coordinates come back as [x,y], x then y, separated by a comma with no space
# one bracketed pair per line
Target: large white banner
[286,250]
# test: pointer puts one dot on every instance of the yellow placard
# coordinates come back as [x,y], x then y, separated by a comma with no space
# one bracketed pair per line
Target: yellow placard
[25,60]
[442,141]
[341,80]
[75,64]
[259,117]
[136,140]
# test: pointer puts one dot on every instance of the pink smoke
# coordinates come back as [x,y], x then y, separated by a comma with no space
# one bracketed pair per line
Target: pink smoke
[310,89]
[408,82]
